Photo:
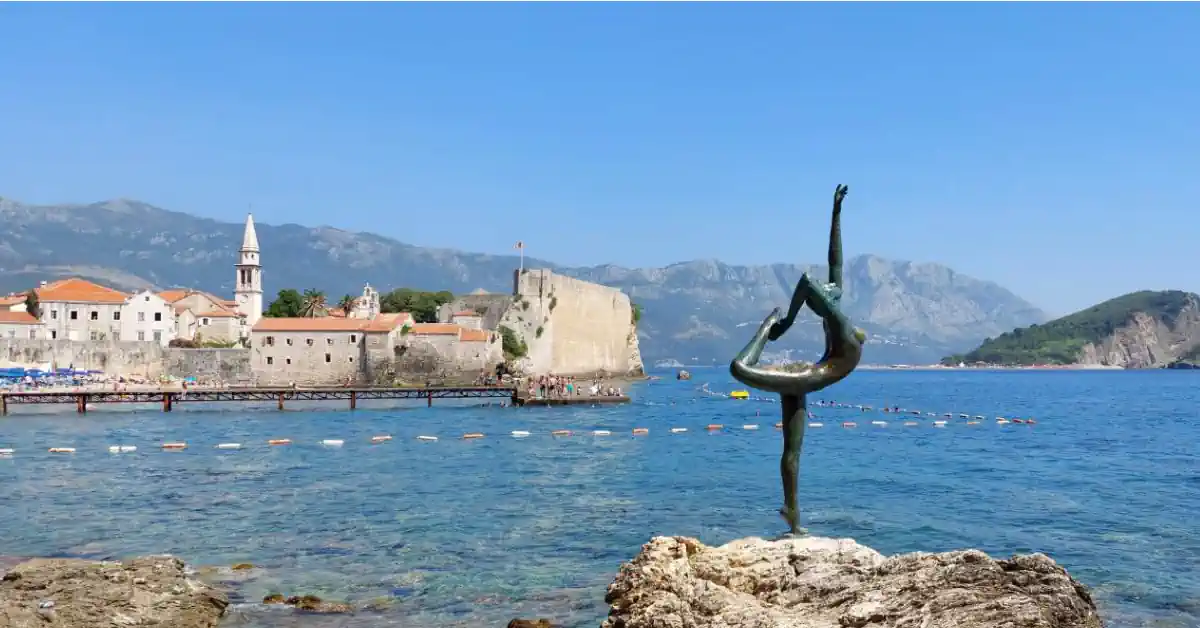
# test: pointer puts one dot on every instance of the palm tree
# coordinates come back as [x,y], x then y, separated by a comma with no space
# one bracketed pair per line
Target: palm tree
[346,304]
[314,304]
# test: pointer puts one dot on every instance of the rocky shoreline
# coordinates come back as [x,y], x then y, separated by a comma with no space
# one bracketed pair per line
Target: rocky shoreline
[673,582]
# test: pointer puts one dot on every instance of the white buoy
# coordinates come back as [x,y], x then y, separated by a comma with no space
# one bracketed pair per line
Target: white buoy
[121,449]
[601,433]
[520,433]
[62,450]
[678,430]
[427,438]
[330,442]
[7,452]
[229,446]
[879,423]
[816,425]
[750,427]
[380,439]
[939,424]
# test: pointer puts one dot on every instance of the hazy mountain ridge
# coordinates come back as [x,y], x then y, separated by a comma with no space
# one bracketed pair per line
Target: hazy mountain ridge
[915,312]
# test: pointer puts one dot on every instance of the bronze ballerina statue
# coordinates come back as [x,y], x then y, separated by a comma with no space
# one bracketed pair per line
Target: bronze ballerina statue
[843,350]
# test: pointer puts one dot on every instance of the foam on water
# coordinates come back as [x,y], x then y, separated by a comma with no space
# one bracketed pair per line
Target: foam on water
[477,531]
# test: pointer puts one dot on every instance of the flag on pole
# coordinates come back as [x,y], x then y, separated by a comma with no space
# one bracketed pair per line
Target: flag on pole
[520,245]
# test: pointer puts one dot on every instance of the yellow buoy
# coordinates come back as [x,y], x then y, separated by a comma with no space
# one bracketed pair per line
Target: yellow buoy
[740,394]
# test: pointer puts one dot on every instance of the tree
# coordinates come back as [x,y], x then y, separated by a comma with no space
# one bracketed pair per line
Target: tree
[636,315]
[346,304]
[32,306]
[423,306]
[313,304]
[287,304]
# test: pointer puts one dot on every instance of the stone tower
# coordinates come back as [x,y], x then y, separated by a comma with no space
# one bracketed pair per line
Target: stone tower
[249,294]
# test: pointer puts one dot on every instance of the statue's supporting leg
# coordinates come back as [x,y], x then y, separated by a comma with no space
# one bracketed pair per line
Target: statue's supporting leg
[795,419]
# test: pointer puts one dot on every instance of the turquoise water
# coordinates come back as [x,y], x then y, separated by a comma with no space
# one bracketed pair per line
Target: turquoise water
[476,532]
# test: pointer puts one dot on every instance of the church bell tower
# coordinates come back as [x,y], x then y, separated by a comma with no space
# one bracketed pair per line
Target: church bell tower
[249,294]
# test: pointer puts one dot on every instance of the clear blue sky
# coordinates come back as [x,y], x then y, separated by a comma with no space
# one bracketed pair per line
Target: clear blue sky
[1053,148]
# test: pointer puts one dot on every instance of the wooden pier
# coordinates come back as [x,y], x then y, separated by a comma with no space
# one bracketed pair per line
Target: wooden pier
[168,398]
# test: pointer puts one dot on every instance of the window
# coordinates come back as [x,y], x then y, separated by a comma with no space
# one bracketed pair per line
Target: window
[117,315]
[141,317]
[204,321]
[353,338]
[309,342]
[95,315]
[53,334]
[270,360]
[95,336]
[158,336]
[289,342]
[328,358]
[157,317]
[54,314]
[141,335]
[289,360]
[147,298]
[74,315]
[351,358]
[269,341]
[329,341]
[32,334]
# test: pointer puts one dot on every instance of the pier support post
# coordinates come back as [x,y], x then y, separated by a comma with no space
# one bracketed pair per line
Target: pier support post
[353,399]
[81,404]
[281,401]
[166,402]
[429,398]
[3,405]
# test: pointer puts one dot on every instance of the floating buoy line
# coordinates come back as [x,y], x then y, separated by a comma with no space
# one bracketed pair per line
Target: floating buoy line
[944,417]
[381,439]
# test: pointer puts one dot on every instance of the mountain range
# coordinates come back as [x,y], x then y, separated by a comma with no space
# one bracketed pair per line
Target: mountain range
[699,311]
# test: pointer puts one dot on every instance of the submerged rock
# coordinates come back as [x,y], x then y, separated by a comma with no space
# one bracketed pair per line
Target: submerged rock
[813,582]
[531,623]
[72,593]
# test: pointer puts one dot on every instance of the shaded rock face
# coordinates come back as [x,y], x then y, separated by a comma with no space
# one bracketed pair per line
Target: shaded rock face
[70,593]
[813,582]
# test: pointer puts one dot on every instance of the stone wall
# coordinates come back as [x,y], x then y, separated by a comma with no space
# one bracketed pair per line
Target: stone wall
[231,366]
[142,359]
[491,306]
[573,327]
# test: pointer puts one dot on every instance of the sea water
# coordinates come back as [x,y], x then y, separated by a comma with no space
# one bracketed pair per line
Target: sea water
[475,532]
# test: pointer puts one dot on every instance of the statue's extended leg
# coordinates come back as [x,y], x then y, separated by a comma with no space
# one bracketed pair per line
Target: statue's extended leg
[799,297]
[795,418]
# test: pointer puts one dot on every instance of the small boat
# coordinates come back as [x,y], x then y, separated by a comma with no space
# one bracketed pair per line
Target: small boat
[740,394]
[683,374]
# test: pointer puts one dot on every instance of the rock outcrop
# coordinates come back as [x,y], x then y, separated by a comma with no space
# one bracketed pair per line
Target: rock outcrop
[813,582]
[1148,341]
[70,593]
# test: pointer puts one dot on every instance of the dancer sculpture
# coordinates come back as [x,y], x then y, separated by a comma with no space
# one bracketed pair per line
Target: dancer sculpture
[843,350]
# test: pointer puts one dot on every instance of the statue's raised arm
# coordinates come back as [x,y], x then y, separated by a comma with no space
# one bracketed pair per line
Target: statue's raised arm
[835,237]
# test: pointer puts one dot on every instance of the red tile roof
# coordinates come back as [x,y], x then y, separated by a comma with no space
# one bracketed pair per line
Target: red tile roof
[466,313]
[76,290]
[389,322]
[17,318]
[473,335]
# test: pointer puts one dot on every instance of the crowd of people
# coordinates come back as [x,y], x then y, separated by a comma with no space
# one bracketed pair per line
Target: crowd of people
[561,386]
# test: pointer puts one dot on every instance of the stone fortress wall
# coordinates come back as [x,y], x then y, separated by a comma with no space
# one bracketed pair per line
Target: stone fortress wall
[130,359]
[573,327]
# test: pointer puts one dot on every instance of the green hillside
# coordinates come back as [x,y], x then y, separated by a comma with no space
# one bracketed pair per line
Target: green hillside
[1059,341]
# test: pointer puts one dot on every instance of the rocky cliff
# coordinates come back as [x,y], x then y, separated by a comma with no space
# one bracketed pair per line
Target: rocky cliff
[697,311]
[572,327]
[814,582]
[1138,330]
